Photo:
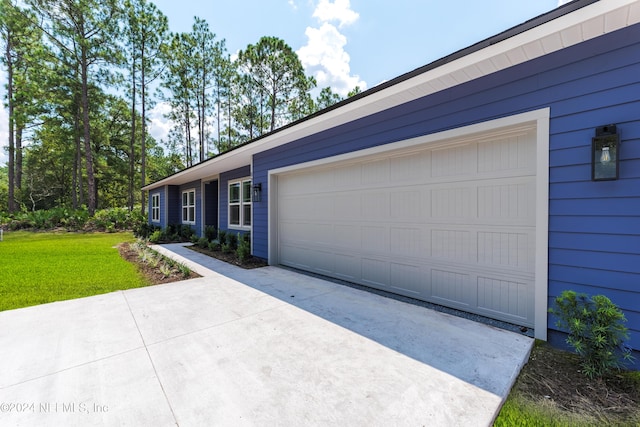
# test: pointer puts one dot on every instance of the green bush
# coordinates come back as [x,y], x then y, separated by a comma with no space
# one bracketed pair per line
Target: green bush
[222,237]
[244,249]
[596,331]
[156,236]
[186,232]
[232,241]
[214,245]
[210,232]
[203,243]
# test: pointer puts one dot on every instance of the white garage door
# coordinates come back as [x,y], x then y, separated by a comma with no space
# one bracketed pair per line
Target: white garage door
[454,225]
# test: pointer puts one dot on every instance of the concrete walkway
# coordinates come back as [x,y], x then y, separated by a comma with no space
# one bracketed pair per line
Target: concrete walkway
[250,348]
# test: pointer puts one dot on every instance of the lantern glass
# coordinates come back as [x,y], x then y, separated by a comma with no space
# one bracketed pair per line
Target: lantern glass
[605,160]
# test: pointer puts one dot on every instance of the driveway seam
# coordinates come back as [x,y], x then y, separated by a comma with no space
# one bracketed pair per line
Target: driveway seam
[155,371]
[100,359]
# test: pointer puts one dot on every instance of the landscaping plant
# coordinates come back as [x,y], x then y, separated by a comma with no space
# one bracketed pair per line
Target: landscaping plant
[596,331]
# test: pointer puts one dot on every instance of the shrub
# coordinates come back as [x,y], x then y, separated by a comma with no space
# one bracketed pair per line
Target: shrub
[244,250]
[186,272]
[222,237]
[214,245]
[596,331]
[210,232]
[232,241]
[203,243]
[186,232]
[156,236]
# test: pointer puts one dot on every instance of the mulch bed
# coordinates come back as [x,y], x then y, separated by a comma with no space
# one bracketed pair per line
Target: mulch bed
[152,274]
[555,375]
[231,258]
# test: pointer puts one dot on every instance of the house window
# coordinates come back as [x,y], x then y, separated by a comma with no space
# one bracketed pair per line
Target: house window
[155,208]
[189,207]
[240,203]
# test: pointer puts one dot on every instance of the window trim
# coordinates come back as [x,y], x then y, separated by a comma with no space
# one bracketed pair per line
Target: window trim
[188,206]
[155,207]
[241,204]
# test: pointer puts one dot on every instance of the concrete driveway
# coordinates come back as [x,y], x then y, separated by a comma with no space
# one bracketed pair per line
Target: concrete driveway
[250,347]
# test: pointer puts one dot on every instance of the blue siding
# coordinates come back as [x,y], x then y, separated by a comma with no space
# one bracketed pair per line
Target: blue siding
[225,177]
[588,85]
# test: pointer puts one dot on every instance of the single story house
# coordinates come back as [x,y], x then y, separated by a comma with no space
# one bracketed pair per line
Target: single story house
[488,181]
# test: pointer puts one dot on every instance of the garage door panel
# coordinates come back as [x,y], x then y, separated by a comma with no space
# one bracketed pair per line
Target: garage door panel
[513,203]
[450,287]
[348,267]
[507,249]
[375,172]
[375,272]
[505,154]
[504,298]
[410,168]
[347,237]
[453,225]
[406,278]
[405,241]
[460,160]
[375,206]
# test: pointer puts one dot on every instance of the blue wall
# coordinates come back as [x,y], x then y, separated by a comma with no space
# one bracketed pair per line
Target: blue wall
[594,227]
[225,177]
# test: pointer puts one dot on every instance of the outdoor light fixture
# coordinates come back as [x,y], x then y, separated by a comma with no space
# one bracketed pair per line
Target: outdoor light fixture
[257,192]
[604,154]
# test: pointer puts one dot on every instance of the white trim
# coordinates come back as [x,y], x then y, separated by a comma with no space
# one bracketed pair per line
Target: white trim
[182,205]
[154,195]
[538,119]
[242,203]
[541,303]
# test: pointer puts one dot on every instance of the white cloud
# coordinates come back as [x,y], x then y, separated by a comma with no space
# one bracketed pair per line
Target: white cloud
[339,10]
[159,125]
[324,56]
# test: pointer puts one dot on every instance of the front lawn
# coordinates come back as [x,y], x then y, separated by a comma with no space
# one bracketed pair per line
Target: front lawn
[37,268]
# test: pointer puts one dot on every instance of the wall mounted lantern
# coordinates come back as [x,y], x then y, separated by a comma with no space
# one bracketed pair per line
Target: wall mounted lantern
[605,159]
[257,192]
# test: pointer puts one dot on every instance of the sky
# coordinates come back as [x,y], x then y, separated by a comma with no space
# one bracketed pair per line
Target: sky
[343,43]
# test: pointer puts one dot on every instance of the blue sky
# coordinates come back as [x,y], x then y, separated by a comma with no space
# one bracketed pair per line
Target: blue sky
[345,43]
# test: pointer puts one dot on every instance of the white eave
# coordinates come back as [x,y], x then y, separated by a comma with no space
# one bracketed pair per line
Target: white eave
[577,26]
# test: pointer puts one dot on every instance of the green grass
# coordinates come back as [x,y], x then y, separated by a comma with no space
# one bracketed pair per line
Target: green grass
[37,268]
[519,411]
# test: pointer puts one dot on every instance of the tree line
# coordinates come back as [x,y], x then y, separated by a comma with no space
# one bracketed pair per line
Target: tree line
[82,76]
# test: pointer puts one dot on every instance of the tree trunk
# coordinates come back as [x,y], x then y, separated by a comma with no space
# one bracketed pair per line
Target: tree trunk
[143,142]
[18,154]
[133,137]
[11,205]
[91,184]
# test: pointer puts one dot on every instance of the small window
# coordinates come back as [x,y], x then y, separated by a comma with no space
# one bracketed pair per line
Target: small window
[240,204]
[189,207]
[155,208]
